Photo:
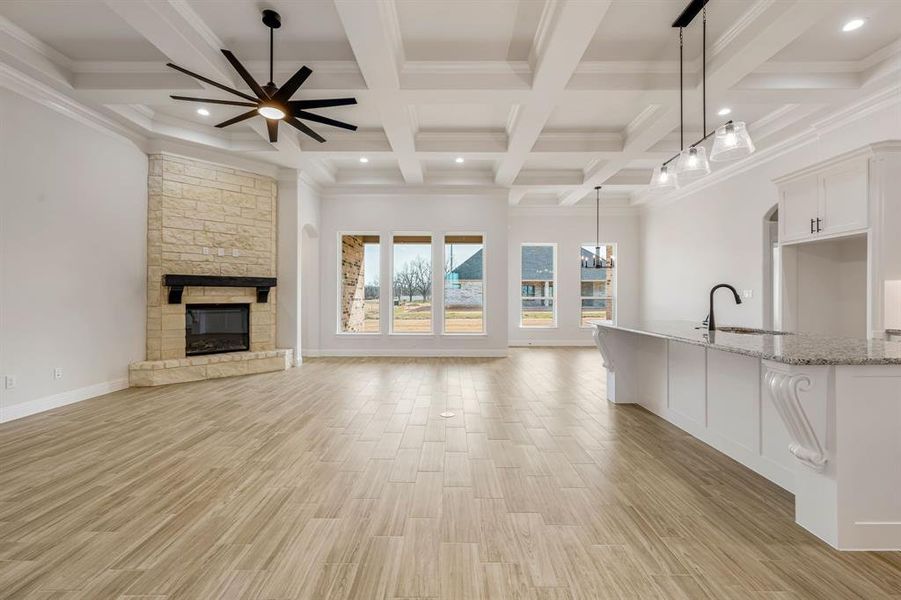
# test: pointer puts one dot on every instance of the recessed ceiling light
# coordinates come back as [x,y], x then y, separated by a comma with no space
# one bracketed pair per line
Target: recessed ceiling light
[724,111]
[363,159]
[459,160]
[203,112]
[853,24]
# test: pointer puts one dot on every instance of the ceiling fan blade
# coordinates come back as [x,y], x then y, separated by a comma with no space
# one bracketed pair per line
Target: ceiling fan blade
[308,116]
[272,127]
[253,85]
[285,92]
[213,101]
[239,118]
[213,83]
[301,127]
[325,103]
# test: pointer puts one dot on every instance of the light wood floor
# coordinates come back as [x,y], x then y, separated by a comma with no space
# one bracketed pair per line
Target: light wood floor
[341,480]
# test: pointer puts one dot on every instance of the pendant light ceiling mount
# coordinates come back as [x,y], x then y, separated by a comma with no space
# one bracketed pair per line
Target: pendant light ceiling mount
[732,140]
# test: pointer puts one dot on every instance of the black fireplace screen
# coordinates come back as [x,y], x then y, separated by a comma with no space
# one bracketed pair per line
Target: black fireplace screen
[214,328]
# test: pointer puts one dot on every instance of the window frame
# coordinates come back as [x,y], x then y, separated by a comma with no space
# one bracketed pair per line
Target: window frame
[484,237]
[392,235]
[555,297]
[339,278]
[612,296]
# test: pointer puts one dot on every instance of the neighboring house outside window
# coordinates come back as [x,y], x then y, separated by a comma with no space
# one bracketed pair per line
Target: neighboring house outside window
[538,284]
[597,286]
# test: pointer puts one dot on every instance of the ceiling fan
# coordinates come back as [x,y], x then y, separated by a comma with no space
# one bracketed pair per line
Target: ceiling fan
[272,102]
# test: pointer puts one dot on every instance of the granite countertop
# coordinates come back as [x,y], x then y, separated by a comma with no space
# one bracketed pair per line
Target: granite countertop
[791,348]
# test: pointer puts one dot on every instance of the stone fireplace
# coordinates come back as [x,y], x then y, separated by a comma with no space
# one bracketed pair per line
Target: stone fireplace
[206,219]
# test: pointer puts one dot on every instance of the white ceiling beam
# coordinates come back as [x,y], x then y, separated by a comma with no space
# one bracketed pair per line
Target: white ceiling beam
[179,33]
[373,31]
[765,29]
[565,31]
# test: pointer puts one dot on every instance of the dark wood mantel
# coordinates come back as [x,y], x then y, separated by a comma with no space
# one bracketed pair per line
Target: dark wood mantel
[177,284]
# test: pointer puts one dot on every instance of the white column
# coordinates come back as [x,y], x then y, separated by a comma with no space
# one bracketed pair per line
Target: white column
[288,324]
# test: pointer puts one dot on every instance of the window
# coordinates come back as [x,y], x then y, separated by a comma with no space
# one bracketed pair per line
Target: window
[598,284]
[360,290]
[412,278]
[464,284]
[539,285]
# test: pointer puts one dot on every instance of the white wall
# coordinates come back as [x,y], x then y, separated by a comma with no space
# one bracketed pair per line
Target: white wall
[411,212]
[310,288]
[73,211]
[717,233]
[569,229]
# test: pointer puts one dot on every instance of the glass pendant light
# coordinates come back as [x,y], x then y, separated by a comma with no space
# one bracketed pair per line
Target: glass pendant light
[693,164]
[731,142]
[664,177]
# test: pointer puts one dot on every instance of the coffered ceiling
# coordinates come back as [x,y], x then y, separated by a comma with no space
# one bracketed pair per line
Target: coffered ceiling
[544,98]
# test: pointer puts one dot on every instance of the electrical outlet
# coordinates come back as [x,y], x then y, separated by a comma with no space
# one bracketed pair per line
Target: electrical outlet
[221,251]
[747,294]
[10,382]
[236,253]
[57,373]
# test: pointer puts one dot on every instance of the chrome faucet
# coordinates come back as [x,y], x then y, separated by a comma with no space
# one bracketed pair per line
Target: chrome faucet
[711,321]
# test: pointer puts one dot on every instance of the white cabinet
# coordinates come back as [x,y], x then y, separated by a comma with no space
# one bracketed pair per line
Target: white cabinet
[824,201]
[843,198]
[799,203]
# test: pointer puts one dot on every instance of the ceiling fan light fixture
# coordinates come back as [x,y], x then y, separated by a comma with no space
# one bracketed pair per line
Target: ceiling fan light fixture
[271,111]
[731,142]
[203,112]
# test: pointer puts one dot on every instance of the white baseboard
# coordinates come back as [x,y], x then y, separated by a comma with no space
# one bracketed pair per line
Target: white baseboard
[410,353]
[24,409]
[550,343]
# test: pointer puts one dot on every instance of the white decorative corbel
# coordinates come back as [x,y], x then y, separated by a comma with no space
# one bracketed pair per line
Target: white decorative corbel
[784,390]
[598,335]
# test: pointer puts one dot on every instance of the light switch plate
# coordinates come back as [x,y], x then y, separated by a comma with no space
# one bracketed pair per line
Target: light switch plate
[221,251]
[57,373]
[9,382]
[235,252]
[206,250]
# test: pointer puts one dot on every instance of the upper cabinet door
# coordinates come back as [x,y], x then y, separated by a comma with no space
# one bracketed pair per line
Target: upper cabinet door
[799,203]
[844,203]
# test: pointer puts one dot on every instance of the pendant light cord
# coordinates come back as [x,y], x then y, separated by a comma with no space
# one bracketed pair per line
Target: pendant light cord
[704,70]
[681,113]
[597,226]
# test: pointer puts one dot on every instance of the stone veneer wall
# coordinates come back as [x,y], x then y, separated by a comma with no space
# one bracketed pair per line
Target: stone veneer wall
[196,208]
[353,288]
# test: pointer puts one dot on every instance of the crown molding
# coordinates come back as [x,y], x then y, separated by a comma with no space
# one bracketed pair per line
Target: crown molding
[9,28]
[46,96]
[747,19]
[214,157]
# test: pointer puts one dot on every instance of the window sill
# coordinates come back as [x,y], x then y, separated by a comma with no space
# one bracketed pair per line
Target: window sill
[357,333]
[482,334]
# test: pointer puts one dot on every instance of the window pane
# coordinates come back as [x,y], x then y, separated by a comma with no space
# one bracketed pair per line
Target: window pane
[360,290]
[464,299]
[412,278]
[537,313]
[538,285]
[597,285]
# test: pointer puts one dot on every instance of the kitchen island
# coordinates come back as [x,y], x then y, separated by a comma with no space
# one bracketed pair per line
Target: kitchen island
[819,416]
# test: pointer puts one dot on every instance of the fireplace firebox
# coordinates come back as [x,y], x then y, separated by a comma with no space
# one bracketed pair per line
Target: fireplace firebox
[216,328]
